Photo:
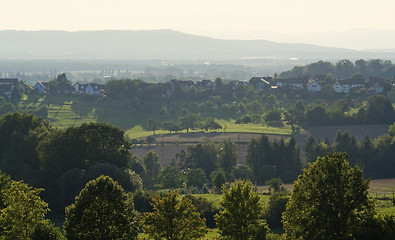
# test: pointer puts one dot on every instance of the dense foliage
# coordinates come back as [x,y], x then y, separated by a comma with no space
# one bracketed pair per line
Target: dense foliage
[63,161]
[345,69]
[328,201]
[23,212]
[240,218]
[103,211]
[173,219]
[374,156]
[271,159]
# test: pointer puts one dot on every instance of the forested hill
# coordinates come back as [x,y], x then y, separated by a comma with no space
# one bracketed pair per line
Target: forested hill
[154,44]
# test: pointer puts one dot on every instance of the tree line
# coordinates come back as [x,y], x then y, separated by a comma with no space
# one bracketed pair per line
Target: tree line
[329,200]
[343,69]
[373,156]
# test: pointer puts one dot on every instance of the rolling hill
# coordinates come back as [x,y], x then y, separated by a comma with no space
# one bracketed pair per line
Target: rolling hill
[153,44]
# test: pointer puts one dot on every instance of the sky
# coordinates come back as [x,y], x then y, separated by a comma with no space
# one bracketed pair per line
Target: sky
[243,19]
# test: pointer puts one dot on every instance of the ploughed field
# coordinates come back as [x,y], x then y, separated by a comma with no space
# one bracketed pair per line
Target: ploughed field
[168,145]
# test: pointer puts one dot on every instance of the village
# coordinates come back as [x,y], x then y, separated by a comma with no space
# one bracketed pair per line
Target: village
[373,85]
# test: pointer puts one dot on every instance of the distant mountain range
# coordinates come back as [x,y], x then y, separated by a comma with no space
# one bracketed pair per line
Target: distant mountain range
[159,44]
[356,39]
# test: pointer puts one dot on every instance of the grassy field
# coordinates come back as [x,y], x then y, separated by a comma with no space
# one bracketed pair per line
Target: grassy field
[228,126]
[62,116]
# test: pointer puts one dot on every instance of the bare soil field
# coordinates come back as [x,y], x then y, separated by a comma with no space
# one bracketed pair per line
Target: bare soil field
[168,145]
[382,186]
[359,131]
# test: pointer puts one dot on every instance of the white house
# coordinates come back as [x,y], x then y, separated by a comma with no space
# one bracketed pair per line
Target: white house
[89,88]
[313,87]
[342,86]
[376,85]
[298,83]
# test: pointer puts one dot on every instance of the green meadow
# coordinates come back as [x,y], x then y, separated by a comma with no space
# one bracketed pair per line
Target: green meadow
[66,111]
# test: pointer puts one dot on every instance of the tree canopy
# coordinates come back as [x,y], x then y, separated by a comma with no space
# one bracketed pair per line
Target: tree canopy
[23,211]
[240,218]
[173,219]
[328,201]
[101,211]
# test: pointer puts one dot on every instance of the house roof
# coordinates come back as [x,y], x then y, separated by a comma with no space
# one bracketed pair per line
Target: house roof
[41,84]
[205,84]
[357,81]
[314,82]
[256,80]
[376,82]
[298,80]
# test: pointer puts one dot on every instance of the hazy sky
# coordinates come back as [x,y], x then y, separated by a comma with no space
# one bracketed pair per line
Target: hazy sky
[201,17]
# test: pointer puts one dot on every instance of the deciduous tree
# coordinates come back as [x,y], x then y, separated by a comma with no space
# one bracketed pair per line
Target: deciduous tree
[173,219]
[328,201]
[101,211]
[228,156]
[241,217]
[23,211]
[196,178]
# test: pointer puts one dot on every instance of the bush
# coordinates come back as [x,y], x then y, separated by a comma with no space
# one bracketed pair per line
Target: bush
[275,209]
[46,232]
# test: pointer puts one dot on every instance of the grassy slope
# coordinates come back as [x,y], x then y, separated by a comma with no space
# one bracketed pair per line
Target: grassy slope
[60,114]
[227,126]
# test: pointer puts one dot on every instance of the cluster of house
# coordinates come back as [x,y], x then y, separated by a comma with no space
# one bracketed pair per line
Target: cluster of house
[374,85]
[65,86]
[78,88]
[7,85]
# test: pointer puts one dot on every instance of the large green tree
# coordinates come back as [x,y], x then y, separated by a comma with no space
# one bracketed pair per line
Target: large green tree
[102,211]
[329,201]
[173,219]
[172,177]
[203,155]
[190,121]
[270,159]
[83,146]
[153,124]
[242,211]
[23,211]
[228,156]
[19,136]
[380,110]
[196,178]
[152,168]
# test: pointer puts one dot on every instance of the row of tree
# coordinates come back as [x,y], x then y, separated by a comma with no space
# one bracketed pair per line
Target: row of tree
[188,121]
[374,156]
[329,200]
[377,110]
[343,69]
[62,161]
